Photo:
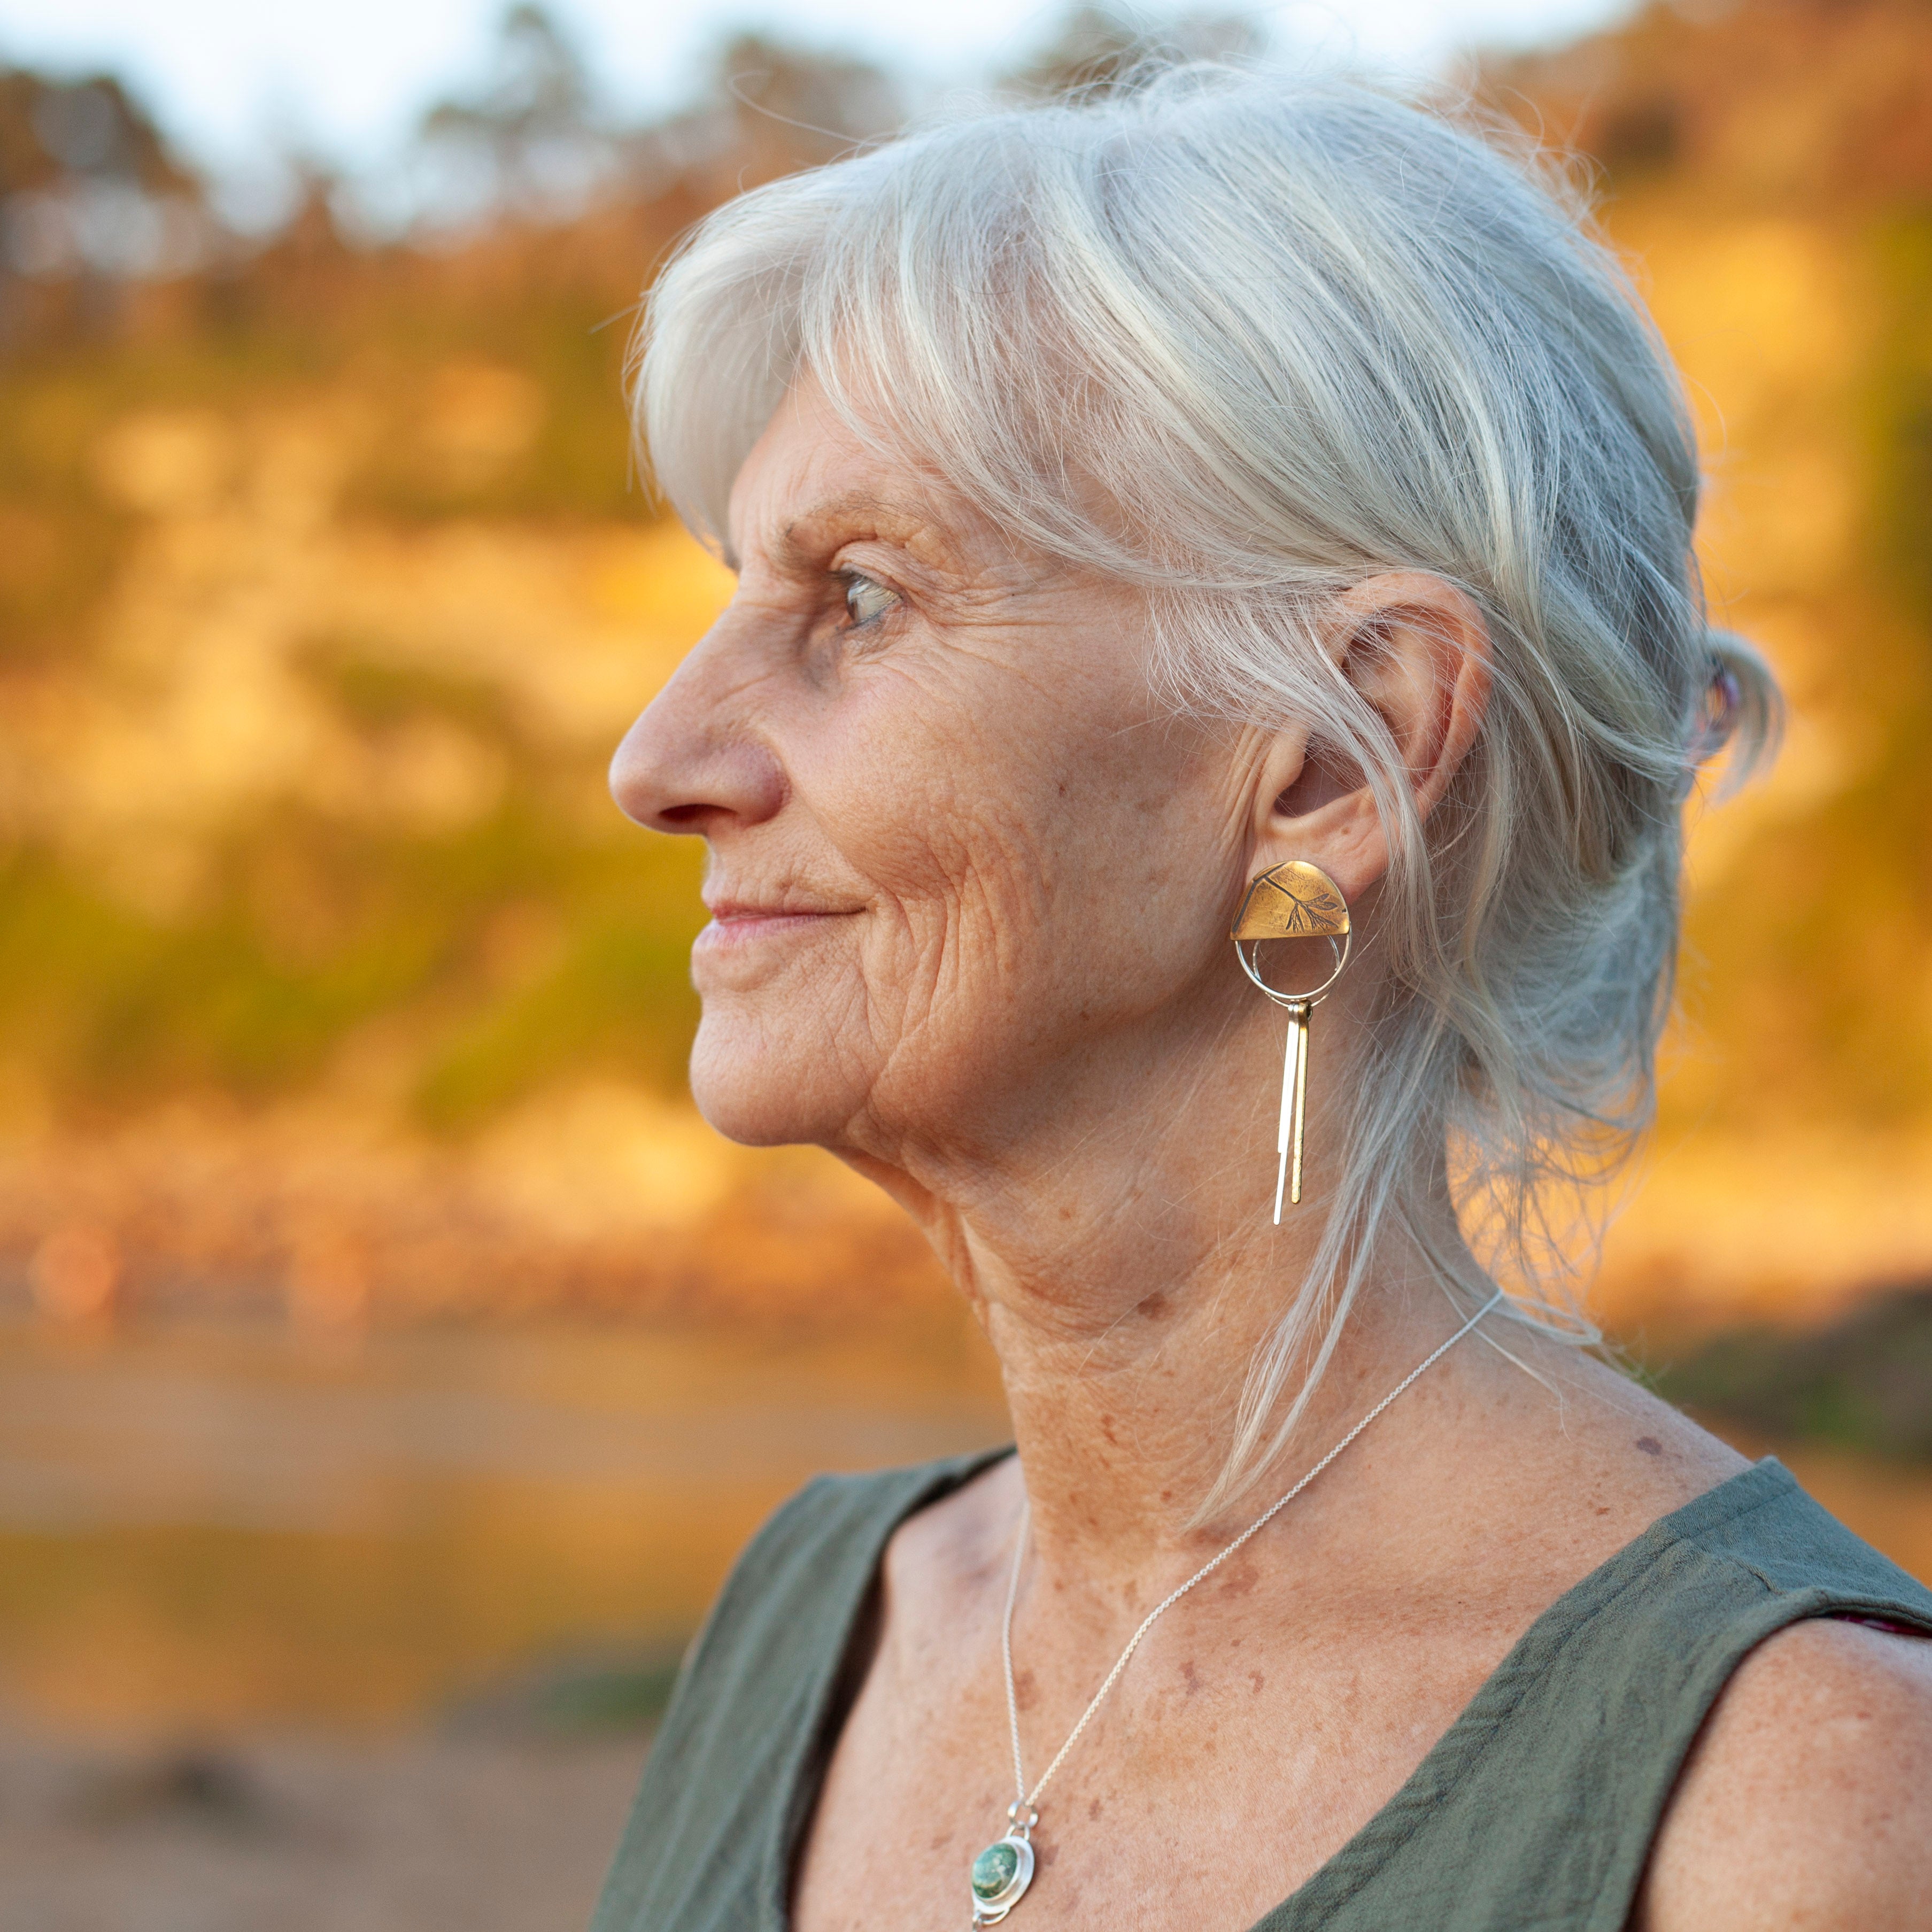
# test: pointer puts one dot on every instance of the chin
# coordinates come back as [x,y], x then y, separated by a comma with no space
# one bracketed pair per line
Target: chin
[764,1092]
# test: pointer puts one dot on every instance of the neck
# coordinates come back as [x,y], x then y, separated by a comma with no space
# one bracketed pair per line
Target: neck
[1126,1269]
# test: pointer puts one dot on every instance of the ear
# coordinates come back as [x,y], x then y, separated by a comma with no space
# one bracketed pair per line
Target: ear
[1416,648]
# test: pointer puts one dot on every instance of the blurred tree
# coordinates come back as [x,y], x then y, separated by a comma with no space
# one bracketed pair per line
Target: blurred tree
[90,198]
[1096,47]
[441,409]
[767,109]
[792,108]
[531,144]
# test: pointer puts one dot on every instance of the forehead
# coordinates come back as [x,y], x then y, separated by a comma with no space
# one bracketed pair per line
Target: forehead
[811,483]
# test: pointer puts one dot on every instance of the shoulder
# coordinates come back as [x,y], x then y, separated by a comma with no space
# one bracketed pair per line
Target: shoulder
[790,1547]
[1807,1799]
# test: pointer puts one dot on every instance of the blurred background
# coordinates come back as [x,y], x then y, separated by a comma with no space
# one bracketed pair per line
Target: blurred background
[390,1360]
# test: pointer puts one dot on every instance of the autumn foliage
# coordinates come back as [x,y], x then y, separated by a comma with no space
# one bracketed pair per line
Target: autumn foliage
[329,976]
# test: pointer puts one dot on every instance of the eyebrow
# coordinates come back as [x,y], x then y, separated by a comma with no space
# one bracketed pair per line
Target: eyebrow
[854,505]
[790,552]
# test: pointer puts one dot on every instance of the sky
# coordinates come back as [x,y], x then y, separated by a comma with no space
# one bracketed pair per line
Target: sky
[232,80]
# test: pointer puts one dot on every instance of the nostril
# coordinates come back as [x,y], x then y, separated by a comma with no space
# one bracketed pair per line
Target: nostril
[672,780]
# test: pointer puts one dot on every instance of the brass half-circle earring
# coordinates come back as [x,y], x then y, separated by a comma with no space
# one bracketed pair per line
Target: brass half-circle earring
[1292,901]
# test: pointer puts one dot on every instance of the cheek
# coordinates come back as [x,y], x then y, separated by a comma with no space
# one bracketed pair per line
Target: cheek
[952,821]
[1036,870]
[907,809]
[1032,879]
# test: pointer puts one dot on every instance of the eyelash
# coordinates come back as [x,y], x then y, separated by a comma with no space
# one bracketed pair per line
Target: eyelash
[855,580]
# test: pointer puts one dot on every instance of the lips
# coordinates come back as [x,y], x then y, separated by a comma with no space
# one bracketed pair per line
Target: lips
[740,922]
[732,912]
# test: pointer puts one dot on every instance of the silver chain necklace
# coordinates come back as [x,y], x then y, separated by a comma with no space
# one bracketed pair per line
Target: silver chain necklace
[1003,1870]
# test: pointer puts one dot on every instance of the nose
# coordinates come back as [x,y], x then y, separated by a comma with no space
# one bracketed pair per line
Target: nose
[694,761]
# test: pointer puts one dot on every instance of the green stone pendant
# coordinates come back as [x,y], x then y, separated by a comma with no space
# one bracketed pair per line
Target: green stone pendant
[1003,1871]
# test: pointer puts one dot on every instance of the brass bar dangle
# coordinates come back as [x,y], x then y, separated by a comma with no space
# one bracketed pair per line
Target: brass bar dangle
[1293,901]
[1294,1106]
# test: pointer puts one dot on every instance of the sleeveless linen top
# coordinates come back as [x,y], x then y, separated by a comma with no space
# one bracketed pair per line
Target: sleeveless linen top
[1534,1813]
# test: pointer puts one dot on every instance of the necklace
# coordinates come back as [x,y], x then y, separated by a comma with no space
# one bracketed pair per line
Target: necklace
[1003,1871]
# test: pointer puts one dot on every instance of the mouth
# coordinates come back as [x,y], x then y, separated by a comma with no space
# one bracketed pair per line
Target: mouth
[737,923]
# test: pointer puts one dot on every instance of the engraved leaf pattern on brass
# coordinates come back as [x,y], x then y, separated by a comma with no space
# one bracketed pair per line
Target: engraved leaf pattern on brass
[1293,901]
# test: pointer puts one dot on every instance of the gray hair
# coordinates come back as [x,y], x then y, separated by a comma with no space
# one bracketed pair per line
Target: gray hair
[1299,332]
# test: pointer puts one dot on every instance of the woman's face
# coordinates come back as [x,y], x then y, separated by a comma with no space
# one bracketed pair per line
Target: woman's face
[963,869]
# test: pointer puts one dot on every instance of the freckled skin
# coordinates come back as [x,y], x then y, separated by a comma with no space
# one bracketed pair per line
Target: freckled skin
[1237,1576]
[971,884]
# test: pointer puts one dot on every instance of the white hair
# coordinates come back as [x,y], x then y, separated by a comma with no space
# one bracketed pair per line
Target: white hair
[1299,332]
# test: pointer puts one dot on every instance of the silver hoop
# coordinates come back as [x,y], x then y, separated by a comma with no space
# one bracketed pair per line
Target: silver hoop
[1281,999]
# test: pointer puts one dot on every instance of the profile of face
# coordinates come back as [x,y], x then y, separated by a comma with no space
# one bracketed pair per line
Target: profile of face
[963,865]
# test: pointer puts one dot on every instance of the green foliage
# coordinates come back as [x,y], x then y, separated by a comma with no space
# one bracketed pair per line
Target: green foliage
[589,1697]
[109,1006]
[376,692]
[619,1000]
[306,930]
[1864,1384]
[569,343]
[59,539]
[312,932]
[1903,413]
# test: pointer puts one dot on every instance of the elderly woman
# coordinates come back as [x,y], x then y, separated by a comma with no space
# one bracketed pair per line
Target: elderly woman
[1193,778]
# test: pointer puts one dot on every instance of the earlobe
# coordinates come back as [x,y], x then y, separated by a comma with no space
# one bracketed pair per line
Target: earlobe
[1324,814]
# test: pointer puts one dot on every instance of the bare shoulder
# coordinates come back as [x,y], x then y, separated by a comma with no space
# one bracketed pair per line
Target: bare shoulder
[1807,1801]
[1585,1459]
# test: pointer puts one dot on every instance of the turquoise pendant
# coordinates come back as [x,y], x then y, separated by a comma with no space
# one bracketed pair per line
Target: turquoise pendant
[1001,1875]
[1003,1870]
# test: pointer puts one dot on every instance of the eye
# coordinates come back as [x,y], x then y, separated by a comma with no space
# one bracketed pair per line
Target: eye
[865,601]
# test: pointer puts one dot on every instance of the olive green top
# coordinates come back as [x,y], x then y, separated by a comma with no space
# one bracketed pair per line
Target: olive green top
[1534,1810]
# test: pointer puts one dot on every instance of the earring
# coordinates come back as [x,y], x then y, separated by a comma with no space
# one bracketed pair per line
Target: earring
[1292,901]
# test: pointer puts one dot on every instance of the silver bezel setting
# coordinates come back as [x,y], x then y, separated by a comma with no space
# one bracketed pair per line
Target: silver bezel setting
[991,1911]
